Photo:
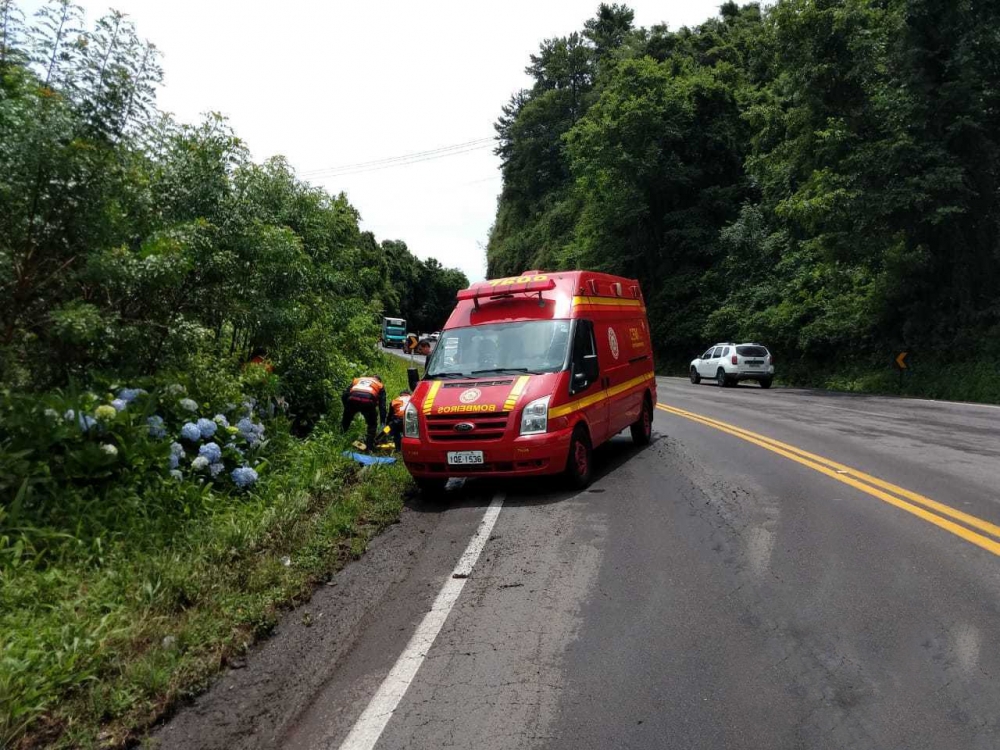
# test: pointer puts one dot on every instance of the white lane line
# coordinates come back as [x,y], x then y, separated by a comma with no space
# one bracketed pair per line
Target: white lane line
[372,722]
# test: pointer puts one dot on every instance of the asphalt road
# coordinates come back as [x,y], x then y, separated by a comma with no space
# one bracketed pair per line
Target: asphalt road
[416,359]
[714,590]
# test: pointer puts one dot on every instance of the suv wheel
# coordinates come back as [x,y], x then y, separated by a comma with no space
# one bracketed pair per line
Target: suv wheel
[765,382]
[695,377]
[720,378]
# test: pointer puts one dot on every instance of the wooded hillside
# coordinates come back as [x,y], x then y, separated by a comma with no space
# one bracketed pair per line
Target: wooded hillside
[821,176]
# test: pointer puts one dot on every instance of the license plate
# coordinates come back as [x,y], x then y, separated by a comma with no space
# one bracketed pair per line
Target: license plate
[464,458]
[754,362]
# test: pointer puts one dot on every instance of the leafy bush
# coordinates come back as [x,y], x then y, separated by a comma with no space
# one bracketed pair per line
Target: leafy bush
[177,321]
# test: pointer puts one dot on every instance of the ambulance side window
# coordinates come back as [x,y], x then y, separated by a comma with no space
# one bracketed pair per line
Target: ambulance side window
[584,370]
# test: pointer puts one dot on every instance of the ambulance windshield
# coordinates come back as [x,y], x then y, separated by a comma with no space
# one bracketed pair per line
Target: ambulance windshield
[532,347]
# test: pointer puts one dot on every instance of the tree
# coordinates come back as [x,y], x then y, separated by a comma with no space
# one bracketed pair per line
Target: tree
[822,175]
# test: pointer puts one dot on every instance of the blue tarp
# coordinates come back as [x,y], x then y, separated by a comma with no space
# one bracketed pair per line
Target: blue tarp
[366,460]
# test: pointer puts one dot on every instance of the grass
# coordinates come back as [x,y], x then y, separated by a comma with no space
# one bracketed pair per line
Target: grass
[91,654]
[976,382]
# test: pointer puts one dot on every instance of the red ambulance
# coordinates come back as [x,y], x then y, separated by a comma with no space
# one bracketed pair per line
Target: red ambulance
[530,374]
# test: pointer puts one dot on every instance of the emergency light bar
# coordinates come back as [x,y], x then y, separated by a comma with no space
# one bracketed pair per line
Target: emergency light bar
[507,287]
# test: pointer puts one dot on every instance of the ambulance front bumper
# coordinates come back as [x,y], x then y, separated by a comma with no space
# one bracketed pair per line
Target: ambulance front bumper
[526,455]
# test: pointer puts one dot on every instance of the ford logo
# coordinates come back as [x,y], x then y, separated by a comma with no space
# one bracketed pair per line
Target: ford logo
[464,427]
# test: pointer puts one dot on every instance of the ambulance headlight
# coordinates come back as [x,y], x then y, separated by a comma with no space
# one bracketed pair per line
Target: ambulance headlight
[411,426]
[535,417]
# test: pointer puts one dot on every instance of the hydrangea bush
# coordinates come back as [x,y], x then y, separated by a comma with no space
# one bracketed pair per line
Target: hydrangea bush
[142,436]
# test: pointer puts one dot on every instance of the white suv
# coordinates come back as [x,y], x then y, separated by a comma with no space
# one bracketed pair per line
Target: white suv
[730,363]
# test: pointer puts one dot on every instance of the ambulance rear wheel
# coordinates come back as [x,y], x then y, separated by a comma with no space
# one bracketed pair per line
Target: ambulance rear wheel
[431,489]
[642,429]
[579,463]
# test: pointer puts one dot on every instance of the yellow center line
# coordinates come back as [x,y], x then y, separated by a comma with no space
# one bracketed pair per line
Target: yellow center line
[859,480]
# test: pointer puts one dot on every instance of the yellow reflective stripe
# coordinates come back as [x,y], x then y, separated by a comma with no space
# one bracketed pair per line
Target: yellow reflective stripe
[614,301]
[629,384]
[583,403]
[515,392]
[429,401]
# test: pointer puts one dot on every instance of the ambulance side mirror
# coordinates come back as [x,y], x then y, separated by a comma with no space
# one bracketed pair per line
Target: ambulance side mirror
[587,374]
[412,377]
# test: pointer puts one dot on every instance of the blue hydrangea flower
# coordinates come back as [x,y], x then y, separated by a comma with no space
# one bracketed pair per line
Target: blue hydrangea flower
[188,404]
[247,431]
[128,395]
[156,427]
[244,476]
[176,451]
[211,451]
[220,419]
[207,427]
[86,423]
[176,474]
[216,469]
[120,404]
[70,415]
[191,432]
[199,463]
[252,433]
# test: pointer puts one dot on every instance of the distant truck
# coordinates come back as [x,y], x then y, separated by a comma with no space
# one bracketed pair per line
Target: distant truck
[393,332]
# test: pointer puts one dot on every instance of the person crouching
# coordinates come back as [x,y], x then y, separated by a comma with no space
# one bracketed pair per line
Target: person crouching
[365,396]
[396,412]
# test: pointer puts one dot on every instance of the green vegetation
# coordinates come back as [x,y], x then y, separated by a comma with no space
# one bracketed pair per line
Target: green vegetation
[177,325]
[821,175]
[123,618]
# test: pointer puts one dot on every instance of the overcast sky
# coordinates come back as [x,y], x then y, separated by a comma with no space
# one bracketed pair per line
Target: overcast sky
[332,83]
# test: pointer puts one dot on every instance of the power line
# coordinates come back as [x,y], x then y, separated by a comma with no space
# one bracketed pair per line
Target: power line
[343,172]
[418,156]
[397,164]
[404,156]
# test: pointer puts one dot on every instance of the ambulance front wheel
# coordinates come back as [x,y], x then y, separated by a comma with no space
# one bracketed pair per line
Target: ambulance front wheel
[642,429]
[579,463]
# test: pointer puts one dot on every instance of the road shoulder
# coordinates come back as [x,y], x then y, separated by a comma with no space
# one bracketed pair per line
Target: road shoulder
[254,701]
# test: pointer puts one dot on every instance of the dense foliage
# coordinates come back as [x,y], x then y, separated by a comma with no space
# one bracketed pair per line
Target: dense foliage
[130,243]
[420,291]
[821,175]
[177,322]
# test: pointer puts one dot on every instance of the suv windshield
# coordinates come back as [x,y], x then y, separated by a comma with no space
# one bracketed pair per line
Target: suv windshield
[534,346]
[751,351]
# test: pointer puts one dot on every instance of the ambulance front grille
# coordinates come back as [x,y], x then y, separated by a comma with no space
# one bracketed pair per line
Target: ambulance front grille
[490,426]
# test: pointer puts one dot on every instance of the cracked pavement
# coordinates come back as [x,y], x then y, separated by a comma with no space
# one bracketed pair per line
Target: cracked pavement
[705,593]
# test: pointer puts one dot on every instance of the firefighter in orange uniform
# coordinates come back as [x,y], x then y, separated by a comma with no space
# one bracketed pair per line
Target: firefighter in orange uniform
[365,396]
[396,411]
